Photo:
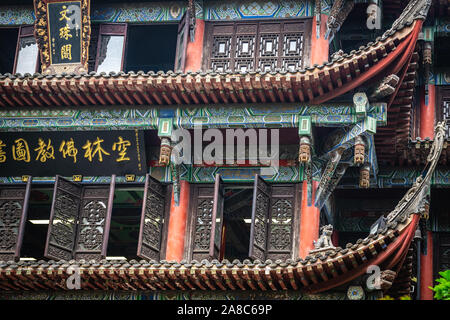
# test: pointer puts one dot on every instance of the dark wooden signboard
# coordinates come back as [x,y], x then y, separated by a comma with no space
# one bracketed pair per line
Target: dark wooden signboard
[87,153]
[64,23]
[62,30]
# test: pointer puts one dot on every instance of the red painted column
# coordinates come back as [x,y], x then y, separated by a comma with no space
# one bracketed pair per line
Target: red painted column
[309,222]
[194,49]
[319,46]
[426,272]
[335,238]
[427,112]
[177,224]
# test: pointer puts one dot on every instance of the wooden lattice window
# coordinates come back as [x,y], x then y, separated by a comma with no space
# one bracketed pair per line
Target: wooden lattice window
[446,115]
[441,254]
[273,225]
[80,220]
[257,45]
[443,112]
[13,215]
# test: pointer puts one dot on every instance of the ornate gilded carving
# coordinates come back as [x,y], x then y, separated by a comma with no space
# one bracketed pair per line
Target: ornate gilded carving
[304,154]
[364,176]
[165,151]
[358,157]
[42,38]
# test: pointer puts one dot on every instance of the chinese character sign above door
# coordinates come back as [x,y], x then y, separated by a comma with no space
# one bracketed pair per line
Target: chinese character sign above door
[64,23]
[63,32]
[68,153]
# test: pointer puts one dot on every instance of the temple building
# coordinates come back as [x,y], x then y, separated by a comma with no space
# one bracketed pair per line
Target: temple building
[206,149]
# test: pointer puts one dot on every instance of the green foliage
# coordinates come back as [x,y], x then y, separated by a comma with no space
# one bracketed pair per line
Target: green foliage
[387,297]
[442,290]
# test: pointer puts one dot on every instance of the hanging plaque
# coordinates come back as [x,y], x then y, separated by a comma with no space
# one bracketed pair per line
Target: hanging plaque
[62,31]
[69,153]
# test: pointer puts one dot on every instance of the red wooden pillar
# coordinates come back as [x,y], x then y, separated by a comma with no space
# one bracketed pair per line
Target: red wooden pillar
[426,272]
[194,49]
[319,46]
[177,224]
[427,112]
[309,222]
[335,238]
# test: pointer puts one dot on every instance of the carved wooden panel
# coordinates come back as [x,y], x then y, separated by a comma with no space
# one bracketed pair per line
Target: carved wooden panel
[182,40]
[217,219]
[280,226]
[243,45]
[443,109]
[62,227]
[93,44]
[442,252]
[152,220]
[13,215]
[260,216]
[202,210]
[446,116]
[94,222]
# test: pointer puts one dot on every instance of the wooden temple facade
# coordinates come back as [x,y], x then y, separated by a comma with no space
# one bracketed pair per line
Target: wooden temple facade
[95,202]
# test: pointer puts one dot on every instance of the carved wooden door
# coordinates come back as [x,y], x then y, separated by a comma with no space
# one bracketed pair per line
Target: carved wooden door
[260,217]
[280,231]
[202,208]
[182,40]
[217,219]
[62,227]
[13,216]
[94,221]
[273,217]
[152,220]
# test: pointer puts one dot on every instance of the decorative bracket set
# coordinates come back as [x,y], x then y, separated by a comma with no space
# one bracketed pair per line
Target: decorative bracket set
[338,157]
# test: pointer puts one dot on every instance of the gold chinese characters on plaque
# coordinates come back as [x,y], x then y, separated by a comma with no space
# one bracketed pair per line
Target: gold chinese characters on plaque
[62,30]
